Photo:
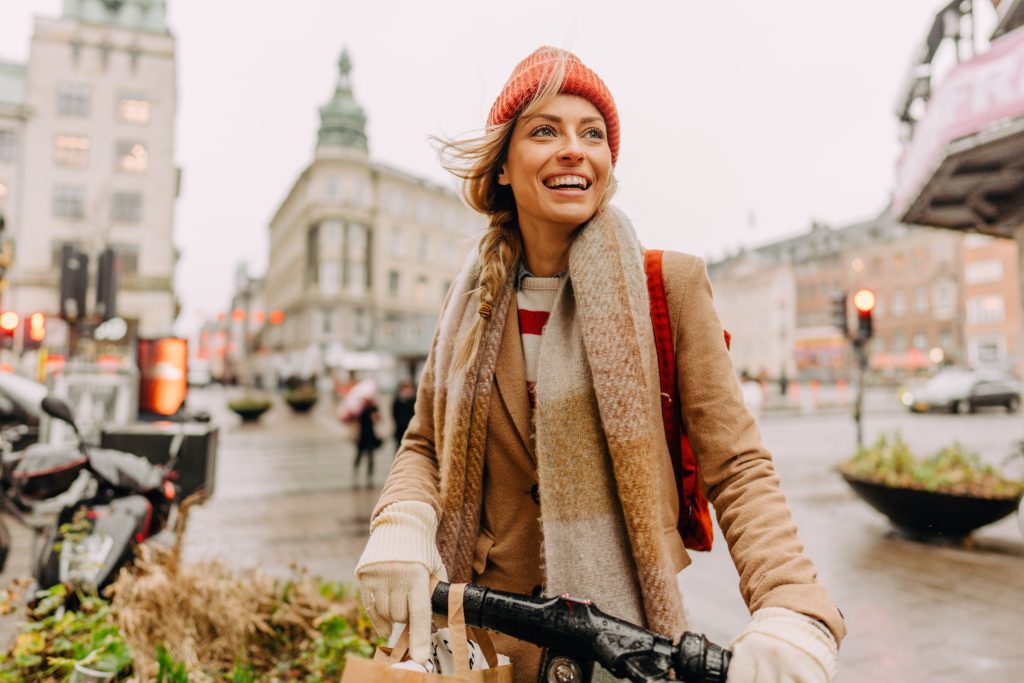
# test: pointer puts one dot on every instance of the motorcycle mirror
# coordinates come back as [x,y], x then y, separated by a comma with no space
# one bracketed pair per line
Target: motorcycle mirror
[56,408]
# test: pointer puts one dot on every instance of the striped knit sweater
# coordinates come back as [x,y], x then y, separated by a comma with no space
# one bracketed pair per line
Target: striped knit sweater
[535,297]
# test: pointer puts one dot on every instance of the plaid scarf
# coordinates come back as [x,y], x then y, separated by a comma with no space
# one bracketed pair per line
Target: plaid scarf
[598,430]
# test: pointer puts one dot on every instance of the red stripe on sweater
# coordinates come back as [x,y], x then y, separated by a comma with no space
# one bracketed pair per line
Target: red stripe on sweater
[532,322]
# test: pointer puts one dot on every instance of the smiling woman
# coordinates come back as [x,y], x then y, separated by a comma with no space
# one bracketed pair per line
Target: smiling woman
[539,429]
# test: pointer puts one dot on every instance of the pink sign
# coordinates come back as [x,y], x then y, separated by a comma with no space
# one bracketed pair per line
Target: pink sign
[975,95]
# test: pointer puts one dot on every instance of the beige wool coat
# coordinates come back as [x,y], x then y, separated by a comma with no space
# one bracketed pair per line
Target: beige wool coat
[736,469]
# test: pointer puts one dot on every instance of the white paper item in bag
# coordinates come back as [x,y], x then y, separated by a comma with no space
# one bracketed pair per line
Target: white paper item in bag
[444,660]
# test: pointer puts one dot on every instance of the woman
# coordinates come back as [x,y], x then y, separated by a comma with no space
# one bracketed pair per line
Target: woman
[538,428]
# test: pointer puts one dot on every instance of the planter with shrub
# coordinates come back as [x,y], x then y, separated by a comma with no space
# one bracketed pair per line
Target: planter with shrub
[948,495]
[250,408]
[302,398]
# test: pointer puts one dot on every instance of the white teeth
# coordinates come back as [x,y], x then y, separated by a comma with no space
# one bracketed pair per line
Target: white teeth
[567,180]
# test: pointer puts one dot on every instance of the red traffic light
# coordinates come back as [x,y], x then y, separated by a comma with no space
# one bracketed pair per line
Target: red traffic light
[864,300]
[9,322]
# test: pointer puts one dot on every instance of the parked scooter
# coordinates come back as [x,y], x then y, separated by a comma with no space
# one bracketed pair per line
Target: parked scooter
[102,503]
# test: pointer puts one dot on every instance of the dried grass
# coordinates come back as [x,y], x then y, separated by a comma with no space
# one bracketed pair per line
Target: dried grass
[210,617]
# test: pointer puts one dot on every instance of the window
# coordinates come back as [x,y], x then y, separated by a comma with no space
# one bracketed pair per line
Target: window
[945,299]
[920,341]
[8,145]
[981,272]
[422,248]
[327,316]
[332,189]
[69,201]
[73,99]
[921,300]
[127,207]
[394,283]
[133,107]
[313,255]
[879,305]
[132,157]
[420,294]
[985,309]
[946,340]
[356,240]
[330,278]
[330,236]
[395,241]
[898,305]
[357,278]
[71,150]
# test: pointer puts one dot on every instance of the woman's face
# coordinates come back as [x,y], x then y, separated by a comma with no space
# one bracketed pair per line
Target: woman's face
[558,164]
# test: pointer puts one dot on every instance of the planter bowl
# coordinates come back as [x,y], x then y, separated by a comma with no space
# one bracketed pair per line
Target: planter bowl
[931,513]
[249,412]
[300,404]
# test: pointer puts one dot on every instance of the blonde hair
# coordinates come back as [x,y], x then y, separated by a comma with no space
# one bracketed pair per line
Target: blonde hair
[477,161]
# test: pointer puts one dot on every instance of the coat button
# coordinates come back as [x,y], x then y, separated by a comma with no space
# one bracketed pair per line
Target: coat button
[535,493]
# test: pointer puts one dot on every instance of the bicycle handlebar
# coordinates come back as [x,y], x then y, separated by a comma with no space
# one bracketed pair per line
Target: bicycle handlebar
[577,634]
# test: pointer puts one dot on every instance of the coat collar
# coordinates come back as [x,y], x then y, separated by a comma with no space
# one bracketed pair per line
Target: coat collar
[510,374]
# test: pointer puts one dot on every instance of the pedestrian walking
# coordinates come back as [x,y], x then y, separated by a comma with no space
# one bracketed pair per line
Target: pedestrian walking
[367,441]
[538,429]
[402,409]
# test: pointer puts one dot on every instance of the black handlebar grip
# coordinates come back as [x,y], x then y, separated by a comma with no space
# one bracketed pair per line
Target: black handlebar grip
[698,660]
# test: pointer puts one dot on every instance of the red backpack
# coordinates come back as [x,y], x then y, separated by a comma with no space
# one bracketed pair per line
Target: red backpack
[694,516]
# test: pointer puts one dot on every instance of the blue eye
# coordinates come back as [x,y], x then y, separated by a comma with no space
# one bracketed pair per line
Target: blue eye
[594,134]
[544,130]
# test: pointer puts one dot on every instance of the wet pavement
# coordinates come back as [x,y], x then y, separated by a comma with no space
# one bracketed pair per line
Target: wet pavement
[285,496]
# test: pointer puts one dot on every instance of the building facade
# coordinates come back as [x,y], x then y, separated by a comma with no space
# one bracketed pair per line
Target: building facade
[361,254]
[941,298]
[756,301]
[94,158]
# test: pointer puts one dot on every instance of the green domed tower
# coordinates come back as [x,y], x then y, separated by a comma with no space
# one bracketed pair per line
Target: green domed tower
[342,121]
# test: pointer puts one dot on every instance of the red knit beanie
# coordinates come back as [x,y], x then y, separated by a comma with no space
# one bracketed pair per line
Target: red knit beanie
[530,75]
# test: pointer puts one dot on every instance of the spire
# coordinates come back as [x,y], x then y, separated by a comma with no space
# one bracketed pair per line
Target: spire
[342,121]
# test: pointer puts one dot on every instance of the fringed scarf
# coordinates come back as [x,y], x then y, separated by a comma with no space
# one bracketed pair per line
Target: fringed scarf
[598,430]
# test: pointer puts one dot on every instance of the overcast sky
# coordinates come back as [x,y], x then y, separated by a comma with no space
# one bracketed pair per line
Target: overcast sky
[741,121]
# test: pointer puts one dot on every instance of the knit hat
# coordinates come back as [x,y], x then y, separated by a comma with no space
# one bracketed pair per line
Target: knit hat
[530,75]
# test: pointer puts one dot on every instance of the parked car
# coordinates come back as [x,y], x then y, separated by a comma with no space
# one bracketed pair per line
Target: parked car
[958,390]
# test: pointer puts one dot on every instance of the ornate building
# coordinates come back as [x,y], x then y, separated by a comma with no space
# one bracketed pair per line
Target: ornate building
[361,254]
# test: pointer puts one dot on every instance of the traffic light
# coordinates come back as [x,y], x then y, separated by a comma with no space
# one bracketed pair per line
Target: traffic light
[864,302]
[35,331]
[74,281]
[106,285]
[8,324]
[839,312]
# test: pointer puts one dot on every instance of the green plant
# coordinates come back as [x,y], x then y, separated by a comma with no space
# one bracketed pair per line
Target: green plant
[952,469]
[54,640]
[169,671]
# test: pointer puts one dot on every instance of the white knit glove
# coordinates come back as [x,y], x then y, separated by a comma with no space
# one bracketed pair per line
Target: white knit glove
[395,570]
[783,646]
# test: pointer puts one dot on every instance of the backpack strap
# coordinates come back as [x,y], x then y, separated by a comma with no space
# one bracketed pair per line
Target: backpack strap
[666,352]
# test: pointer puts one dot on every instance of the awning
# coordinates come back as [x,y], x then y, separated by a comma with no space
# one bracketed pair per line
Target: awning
[964,166]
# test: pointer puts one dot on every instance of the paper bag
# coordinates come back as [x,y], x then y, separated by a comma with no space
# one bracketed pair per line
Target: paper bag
[380,669]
